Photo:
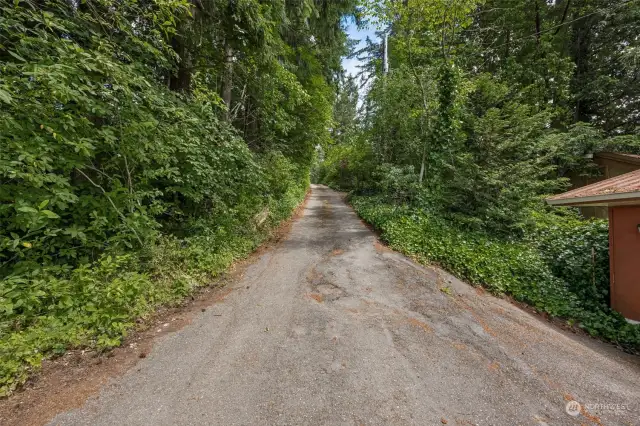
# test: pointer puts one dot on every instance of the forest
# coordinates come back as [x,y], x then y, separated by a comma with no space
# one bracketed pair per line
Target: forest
[145,145]
[466,115]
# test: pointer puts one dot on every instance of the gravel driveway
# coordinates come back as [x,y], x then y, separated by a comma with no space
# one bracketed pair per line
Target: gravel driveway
[331,328]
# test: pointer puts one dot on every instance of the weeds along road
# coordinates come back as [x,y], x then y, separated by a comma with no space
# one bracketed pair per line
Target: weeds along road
[331,328]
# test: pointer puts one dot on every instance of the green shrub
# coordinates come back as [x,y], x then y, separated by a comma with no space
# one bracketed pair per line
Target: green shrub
[49,310]
[348,166]
[95,154]
[577,251]
[116,195]
[45,312]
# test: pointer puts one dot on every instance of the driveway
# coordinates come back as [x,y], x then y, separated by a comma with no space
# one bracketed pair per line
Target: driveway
[329,327]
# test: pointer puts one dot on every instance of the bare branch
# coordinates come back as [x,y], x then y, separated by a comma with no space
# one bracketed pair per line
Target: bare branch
[124,219]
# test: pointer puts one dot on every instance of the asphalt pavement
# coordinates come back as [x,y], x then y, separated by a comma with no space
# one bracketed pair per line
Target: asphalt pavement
[329,327]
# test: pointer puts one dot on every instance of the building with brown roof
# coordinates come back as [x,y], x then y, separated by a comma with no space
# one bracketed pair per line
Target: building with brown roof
[610,164]
[620,195]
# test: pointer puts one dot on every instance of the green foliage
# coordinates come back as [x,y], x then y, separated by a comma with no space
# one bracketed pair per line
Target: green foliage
[145,146]
[487,108]
[398,184]
[345,111]
[487,101]
[347,165]
[554,275]
[95,155]
[280,174]
[49,310]
[577,252]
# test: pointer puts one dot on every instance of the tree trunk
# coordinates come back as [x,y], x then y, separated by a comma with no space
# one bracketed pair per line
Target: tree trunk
[181,81]
[506,48]
[581,51]
[564,16]
[227,85]
[422,166]
[537,22]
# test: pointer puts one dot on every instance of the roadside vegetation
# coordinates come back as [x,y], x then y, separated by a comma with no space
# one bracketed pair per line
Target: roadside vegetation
[487,108]
[144,146]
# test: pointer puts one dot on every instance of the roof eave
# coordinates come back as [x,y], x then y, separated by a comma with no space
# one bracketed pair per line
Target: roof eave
[597,200]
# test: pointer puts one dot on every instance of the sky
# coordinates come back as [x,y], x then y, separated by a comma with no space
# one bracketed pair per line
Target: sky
[350,65]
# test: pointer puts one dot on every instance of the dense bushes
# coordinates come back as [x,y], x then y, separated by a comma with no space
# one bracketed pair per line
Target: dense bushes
[119,194]
[577,251]
[95,154]
[555,274]
[51,308]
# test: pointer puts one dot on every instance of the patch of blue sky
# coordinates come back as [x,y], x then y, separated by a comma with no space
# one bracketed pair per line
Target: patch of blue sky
[361,34]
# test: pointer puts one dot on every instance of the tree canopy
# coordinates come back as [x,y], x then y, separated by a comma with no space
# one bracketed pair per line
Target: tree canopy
[491,103]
